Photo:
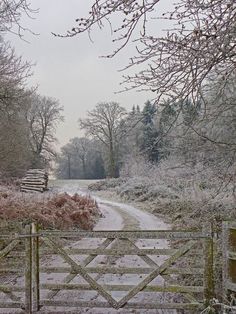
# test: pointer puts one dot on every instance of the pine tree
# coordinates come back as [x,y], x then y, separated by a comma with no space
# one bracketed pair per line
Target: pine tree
[150,144]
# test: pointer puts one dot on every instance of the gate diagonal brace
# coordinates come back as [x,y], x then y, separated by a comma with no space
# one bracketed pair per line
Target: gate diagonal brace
[152,264]
[84,263]
[10,294]
[3,253]
[8,248]
[81,271]
[183,250]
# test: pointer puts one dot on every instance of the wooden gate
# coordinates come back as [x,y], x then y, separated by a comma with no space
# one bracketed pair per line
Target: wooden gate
[114,269]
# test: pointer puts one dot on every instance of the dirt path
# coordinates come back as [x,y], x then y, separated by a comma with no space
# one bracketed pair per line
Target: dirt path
[117,215]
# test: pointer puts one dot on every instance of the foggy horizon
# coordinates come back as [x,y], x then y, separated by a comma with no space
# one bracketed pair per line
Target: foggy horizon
[71,69]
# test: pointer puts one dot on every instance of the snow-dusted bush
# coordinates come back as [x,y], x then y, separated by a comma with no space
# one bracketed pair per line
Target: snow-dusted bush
[108,184]
[189,195]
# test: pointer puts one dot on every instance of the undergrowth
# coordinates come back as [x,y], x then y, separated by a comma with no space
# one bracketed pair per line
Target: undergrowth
[60,211]
[188,198]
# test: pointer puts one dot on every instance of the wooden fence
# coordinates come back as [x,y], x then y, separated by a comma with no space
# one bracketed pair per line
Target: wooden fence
[160,273]
[229,260]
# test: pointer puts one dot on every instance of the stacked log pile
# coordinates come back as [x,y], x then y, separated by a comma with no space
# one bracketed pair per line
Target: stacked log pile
[36,180]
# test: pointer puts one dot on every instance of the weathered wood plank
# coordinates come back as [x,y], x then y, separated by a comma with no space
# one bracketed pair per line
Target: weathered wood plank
[28,272]
[4,252]
[230,286]
[208,274]
[149,306]
[114,252]
[9,293]
[145,258]
[35,268]
[16,254]
[11,305]
[8,288]
[132,234]
[231,255]
[190,298]
[25,189]
[171,288]
[12,271]
[123,270]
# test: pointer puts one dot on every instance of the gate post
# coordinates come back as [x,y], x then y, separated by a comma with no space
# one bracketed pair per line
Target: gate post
[28,270]
[224,241]
[35,267]
[209,264]
[229,258]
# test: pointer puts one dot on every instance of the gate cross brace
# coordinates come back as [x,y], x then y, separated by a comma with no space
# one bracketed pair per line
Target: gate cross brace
[152,264]
[84,263]
[4,252]
[81,271]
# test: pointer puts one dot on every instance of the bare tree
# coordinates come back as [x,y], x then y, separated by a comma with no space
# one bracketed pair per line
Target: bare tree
[15,153]
[13,75]
[104,123]
[200,42]
[43,116]
[11,12]
[80,158]
[81,148]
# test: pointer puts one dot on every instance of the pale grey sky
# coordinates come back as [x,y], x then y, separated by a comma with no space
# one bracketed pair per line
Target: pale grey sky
[70,69]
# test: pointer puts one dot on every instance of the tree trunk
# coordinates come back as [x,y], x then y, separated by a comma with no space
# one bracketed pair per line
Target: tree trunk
[69,167]
[84,169]
[112,164]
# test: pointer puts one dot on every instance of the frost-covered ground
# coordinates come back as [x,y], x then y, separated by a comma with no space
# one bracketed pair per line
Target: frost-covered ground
[116,216]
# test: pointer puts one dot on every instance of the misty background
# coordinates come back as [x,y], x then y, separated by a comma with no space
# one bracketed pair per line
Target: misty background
[71,69]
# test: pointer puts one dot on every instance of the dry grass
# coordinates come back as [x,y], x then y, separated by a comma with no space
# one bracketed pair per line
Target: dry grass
[60,211]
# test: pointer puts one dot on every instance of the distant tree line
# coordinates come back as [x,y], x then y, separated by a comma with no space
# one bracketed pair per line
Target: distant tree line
[191,65]
[81,158]
[180,130]
[112,136]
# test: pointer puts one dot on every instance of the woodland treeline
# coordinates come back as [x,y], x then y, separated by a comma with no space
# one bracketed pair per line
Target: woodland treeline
[27,119]
[190,70]
[187,133]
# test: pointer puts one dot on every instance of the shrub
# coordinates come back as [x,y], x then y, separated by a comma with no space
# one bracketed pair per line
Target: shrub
[60,211]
